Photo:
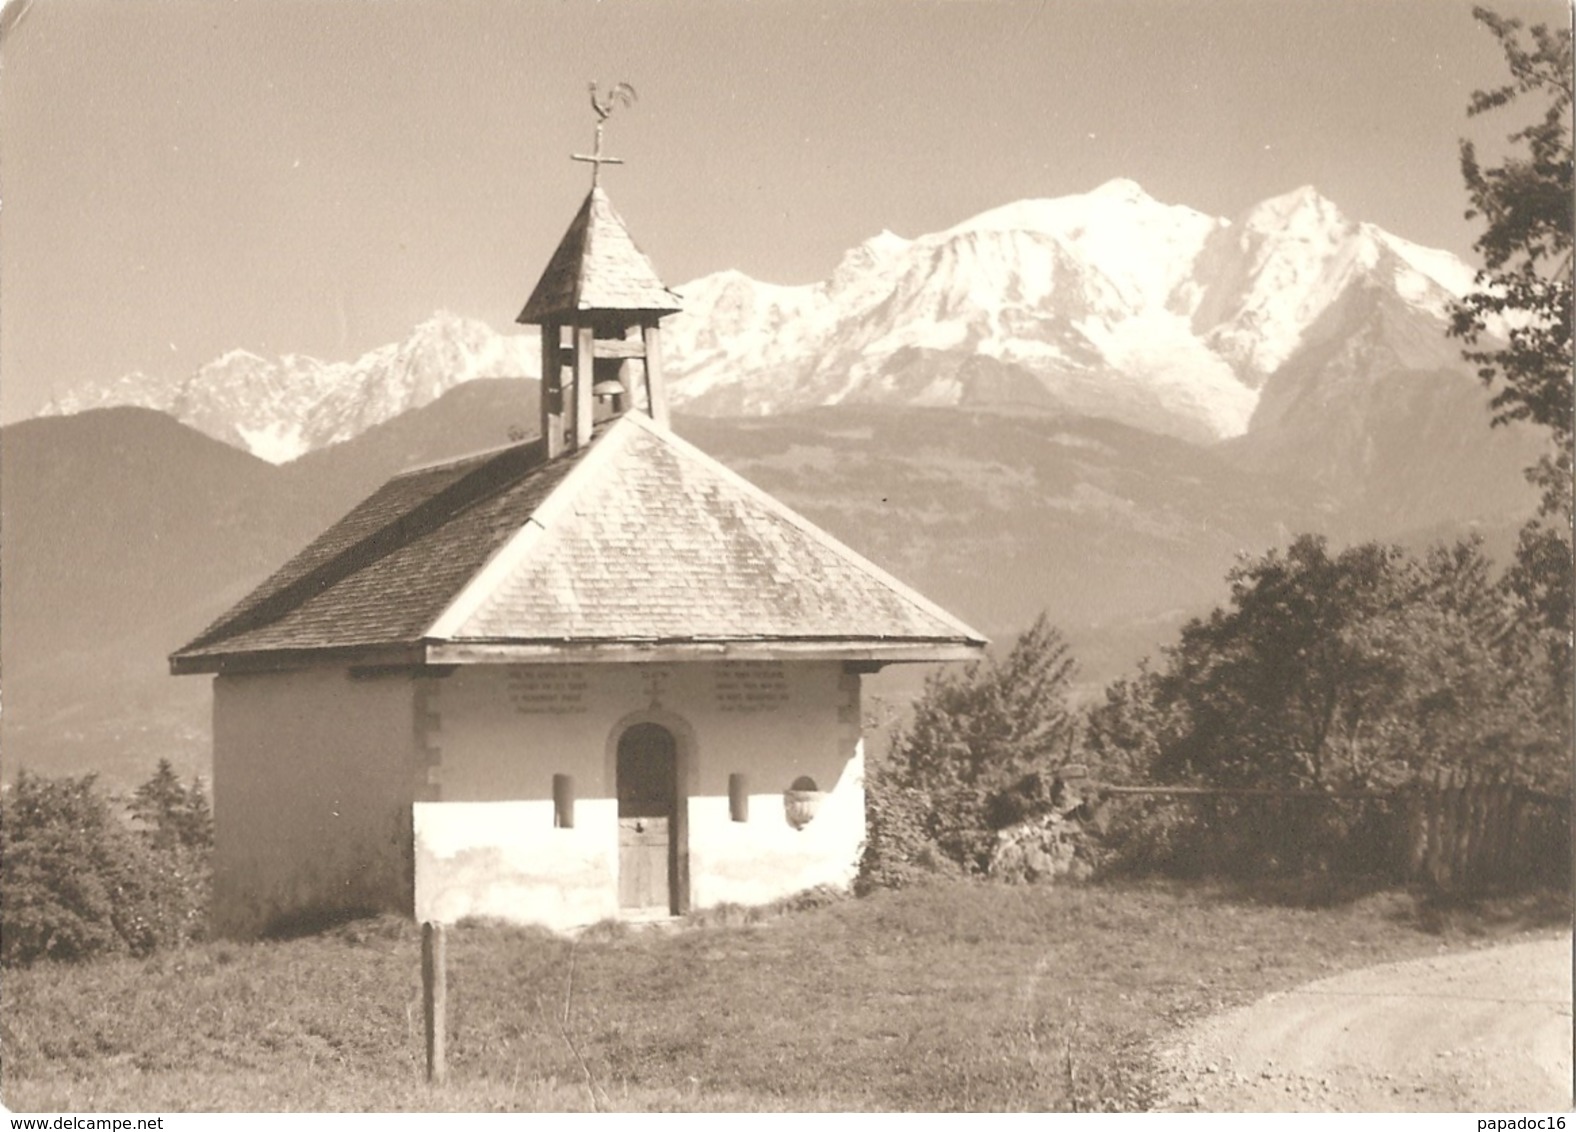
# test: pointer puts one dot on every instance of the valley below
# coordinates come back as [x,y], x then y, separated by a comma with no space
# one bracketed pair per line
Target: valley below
[126,533]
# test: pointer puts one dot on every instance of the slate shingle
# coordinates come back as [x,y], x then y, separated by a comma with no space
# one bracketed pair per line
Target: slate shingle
[597,267]
[383,507]
[374,578]
[668,545]
[655,541]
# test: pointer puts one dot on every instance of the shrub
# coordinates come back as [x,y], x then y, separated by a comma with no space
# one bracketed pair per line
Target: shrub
[77,880]
[974,737]
[898,848]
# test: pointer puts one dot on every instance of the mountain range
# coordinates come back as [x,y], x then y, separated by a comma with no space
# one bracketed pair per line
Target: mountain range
[1089,406]
[281,408]
[1107,303]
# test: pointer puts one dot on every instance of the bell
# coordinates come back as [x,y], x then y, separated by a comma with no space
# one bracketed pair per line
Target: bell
[608,387]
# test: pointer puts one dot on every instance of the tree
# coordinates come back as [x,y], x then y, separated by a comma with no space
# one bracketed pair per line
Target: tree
[171,814]
[1276,687]
[1521,316]
[1125,735]
[1325,673]
[974,736]
[1341,671]
[1524,289]
[79,880]
[1471,694]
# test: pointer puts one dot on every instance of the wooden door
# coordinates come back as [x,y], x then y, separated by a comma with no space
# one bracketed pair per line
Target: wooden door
[647,805]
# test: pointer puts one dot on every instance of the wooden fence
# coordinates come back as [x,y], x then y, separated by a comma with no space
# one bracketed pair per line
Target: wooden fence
[1464,835]
[1454,833]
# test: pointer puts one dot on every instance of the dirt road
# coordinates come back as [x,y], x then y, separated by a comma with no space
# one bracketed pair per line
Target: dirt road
[1481,1031]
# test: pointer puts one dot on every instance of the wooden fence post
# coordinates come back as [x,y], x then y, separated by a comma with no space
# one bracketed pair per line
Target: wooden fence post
[1461,845]
[1461,873]
[1518,828]
[1509,864]
[1415,850]
[1480,832]
[1432,827]
[1493,830]
[434,998]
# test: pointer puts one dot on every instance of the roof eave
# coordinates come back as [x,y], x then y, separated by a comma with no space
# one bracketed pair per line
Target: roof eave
[629,651]
[219,663]
[536,314]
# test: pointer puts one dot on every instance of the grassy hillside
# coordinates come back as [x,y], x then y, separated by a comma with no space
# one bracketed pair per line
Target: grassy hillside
[964,996]
[122,533]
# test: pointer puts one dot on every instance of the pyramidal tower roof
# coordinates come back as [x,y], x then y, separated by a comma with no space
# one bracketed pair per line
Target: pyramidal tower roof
[597,267]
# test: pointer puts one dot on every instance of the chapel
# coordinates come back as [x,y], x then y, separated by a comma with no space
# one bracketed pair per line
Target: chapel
[594,675]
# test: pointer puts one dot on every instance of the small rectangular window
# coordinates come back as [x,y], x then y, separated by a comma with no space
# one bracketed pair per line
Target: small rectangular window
[563,801]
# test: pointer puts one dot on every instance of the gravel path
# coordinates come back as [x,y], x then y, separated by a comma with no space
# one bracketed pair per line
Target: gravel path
[1483,1031]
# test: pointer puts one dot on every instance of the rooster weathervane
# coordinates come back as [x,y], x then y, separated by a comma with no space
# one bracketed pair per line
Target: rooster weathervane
[622,94]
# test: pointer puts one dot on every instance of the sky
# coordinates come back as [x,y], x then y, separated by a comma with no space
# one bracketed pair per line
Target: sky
[183,177]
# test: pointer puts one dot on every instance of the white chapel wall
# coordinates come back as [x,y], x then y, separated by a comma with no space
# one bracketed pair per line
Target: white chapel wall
[313,775]
[487,844]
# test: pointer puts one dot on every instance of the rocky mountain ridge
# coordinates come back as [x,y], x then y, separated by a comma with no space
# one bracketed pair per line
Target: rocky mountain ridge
[282,408]
[1107,303]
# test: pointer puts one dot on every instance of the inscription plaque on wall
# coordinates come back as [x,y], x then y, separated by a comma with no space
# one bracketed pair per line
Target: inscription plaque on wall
[654,681]
[547,691]
[751,685]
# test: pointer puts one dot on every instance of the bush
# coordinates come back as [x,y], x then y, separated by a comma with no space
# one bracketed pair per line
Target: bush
[899,851]
[974,738]
[1243,838]
[77,880]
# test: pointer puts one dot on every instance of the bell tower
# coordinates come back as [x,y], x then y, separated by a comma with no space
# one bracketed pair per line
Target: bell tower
[600,306]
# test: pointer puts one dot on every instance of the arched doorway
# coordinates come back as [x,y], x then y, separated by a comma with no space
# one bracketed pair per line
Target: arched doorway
[647,819]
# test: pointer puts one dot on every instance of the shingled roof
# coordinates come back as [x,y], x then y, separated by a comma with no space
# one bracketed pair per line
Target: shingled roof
[597,267]
[638,546]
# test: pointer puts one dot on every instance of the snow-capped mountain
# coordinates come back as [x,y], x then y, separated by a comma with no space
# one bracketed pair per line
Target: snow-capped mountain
[280,408]
[1108,303]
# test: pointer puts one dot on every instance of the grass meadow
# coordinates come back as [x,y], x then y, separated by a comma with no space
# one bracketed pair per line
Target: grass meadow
[953,996]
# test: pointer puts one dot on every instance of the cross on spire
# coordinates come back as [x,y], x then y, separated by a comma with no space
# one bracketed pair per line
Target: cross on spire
[622,94]
[596,159]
